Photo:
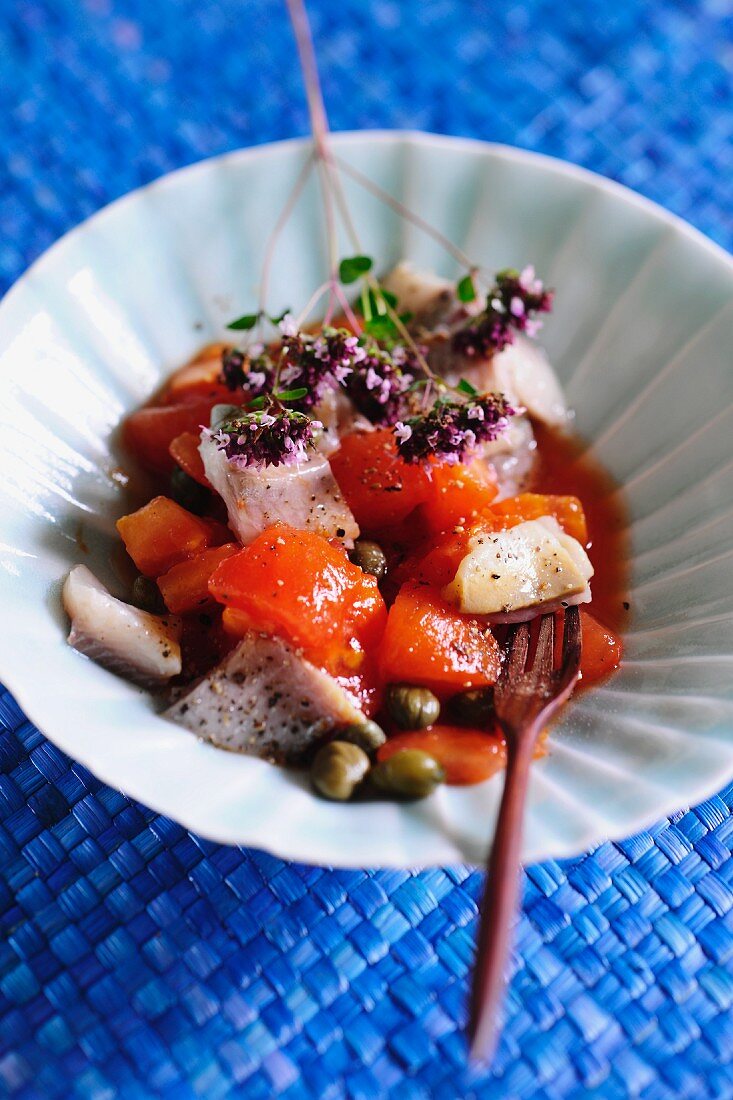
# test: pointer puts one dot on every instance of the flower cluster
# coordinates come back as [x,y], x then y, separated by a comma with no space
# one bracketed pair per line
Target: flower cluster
[452,428]
[318,362]
[251,370]
[380,383]
[273,437]
[510,305]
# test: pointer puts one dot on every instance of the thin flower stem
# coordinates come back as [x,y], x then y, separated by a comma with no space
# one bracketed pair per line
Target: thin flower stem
[319,127]
[457,253]
[348,311]
[280,224]
[315,297]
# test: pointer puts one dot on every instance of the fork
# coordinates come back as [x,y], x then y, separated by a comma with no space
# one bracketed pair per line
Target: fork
[528,694]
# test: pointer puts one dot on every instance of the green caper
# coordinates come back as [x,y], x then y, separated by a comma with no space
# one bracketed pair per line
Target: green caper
[337,769]
[476,708]
[410,773]
[188,493]
[412,708]
[370,557]
[146,595]
[367,735]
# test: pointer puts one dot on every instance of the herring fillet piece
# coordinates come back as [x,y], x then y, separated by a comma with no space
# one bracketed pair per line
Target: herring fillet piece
[305,495]
[523,571]
[133,643]
[266,700]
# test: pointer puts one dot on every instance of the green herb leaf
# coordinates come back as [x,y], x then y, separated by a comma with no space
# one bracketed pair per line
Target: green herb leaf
[277,320]
[247,321]
[257,402]
[466,289]
[292,395]
[353,267]
[381,328]
[464,386]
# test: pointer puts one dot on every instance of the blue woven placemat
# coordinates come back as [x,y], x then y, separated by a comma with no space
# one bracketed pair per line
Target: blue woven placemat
[137,960]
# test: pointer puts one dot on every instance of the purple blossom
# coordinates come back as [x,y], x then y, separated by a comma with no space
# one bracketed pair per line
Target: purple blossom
[510,305]
[239,370]
[318,362]
[273,437]
[380,383]
[451,429]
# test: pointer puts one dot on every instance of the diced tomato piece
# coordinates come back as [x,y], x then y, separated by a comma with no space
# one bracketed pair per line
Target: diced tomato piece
[197,378]
[466,756]
[439,565]
[161,534]
[184,450]
[427,642]
[185,587]
[149,432]
[567,510]
[297,586]
[219,533]
[379,486]
[459,494]
[601,650]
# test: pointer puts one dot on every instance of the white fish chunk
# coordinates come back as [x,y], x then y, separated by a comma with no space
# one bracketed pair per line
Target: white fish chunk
[339,416]
[522,371]
[305,495]
[521,572]
[133,643]
[430,299]
[266,700]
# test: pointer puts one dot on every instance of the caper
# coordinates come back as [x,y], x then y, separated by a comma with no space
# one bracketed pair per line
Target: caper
[409,773]
[187,492]
[370,557]
[412,708]
[337,769]
[476,707]
[367,735]
[146,595]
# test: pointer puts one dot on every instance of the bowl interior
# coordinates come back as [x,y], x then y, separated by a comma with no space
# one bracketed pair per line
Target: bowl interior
[641,338]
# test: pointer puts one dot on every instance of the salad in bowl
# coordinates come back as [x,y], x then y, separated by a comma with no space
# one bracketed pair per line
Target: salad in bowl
[341,522]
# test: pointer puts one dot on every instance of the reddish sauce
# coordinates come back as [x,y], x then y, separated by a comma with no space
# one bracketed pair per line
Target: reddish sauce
[565,466]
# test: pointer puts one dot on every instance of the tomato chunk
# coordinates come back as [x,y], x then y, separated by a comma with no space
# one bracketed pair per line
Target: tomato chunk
[459,494]
[149,432]
[380,488]
[161,534]
[297,586]
[185,587]
[198,378]
[427,642]
[184,450]
[567,510]
[601,652]
[466,756]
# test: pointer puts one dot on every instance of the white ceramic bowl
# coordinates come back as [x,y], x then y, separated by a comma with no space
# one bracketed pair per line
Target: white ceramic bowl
[641,337]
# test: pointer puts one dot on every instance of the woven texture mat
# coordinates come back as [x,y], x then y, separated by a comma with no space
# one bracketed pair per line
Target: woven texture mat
[137,960]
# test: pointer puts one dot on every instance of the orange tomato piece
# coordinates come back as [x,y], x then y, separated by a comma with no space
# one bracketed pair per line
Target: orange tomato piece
[295,585]
[427,642]
[198,377]
[148,433]
[459,494]
[567,510]
[185,587]
[379,486]
[161,534]
[466,756]
[601,651]
[439,565]
[184,450]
